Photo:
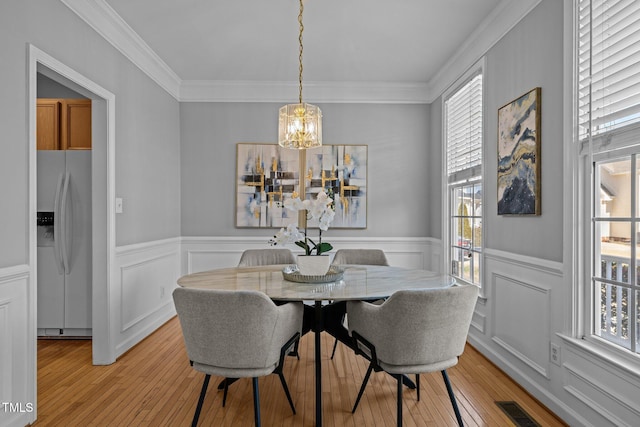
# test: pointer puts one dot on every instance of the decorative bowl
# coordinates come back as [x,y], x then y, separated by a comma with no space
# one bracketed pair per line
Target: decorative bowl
[292,274]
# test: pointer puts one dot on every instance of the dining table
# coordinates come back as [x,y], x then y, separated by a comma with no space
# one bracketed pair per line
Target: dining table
[347,283]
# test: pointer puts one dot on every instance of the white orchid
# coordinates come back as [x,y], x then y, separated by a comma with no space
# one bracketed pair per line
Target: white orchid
[320,209]
[287,235]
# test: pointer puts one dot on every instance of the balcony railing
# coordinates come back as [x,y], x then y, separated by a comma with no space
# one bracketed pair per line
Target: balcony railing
[614,300]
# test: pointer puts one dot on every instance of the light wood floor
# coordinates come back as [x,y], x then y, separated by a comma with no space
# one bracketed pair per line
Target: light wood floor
[153,385]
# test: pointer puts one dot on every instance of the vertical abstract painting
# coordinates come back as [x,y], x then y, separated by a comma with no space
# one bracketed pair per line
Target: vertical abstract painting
[341,170]
[267,175]
[519,156]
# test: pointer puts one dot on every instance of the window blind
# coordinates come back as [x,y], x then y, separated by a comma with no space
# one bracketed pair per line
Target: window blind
[463,121]
[608,58]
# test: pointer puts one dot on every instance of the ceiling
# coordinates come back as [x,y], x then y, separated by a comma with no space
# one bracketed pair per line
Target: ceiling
[375,42]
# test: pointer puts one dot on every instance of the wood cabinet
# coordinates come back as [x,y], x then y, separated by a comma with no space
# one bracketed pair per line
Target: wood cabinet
[63,124]
[48,124]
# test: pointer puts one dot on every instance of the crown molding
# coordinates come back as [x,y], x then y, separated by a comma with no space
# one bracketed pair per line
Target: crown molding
[503,18]
[106,22]
[315,92]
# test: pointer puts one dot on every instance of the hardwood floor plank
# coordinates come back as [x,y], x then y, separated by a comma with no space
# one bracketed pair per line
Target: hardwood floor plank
[153,385]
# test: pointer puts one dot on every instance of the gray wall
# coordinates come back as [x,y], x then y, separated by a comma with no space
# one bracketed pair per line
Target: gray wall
[528,56]
[398,163]
[48,88]
[435,171]
[147,125]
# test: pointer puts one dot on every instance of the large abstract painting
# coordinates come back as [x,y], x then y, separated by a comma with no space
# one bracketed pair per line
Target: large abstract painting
[519,156]
[267,175]
[341,169]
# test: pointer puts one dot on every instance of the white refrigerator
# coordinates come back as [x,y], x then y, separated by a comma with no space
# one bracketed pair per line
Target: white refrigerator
[64,243]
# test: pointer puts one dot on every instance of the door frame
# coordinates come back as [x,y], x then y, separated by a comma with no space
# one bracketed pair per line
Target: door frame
[103,197]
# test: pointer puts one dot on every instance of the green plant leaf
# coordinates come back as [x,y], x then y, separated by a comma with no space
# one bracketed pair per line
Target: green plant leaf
[323,247]
[303,245]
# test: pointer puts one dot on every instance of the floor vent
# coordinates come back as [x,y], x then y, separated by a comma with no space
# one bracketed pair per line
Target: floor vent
[518,415]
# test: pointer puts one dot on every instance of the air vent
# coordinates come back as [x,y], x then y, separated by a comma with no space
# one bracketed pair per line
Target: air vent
[518,415]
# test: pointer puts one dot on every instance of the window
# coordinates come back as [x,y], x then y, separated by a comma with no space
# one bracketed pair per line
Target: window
[608,118]
[463,147]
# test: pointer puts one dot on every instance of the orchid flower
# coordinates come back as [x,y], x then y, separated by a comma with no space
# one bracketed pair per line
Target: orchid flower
[320,209]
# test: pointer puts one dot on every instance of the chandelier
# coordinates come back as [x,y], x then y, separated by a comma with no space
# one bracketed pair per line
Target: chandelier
[300,125]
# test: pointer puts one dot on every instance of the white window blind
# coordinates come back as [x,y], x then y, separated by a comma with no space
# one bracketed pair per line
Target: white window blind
[608,71]
[463,121]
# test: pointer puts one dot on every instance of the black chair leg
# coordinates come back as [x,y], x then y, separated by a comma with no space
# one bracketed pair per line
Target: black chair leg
[452,398]
[203,392]
[399,403]
[286,391]
[418,385]
[333,352]
[229,381]
[294,351]
[407,381]
[226,389]
[256,402]
[364,384]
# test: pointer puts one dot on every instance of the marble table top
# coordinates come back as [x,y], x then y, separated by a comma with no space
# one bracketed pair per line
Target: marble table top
[359,282]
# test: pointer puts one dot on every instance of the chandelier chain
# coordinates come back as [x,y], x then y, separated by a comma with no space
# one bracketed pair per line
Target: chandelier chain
[301,49]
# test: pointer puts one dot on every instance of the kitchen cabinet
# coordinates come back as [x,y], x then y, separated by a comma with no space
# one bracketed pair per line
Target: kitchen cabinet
[63,124]
[48,124]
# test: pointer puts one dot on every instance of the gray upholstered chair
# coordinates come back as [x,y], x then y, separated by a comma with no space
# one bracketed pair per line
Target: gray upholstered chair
[362,257]
[254,257]
[237,334]
[412,332]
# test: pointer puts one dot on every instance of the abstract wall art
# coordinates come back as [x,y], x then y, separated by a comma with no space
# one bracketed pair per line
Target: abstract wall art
[267,175]
[519,155]
[341,169]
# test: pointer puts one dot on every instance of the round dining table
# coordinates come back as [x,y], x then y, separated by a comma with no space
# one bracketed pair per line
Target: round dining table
[353,282]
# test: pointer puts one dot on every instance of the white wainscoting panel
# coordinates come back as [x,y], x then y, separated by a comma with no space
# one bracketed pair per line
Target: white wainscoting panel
[148,273]
[530,305]
[207,253]
[524,311]
[513,323]
[16,364]
[602,382]
[519,293]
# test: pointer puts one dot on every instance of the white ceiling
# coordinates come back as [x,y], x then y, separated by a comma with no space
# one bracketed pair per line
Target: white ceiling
[371,42]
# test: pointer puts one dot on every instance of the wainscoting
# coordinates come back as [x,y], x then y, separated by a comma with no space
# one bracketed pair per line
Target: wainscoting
[17,351]
[519,323]
[206,253]
[146,275]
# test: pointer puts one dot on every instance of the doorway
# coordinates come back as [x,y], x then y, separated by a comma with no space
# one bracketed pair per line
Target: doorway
[102,196]
[64,232]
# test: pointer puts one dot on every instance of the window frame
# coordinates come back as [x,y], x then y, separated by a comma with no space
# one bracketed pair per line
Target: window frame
[586,153]
[448,185]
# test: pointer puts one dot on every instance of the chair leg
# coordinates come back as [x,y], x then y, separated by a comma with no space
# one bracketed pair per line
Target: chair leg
[294,352]
[399,402]
[286,391]
[364,384]
[333,352]
[256,402]
[203,392]
[418,385]
[228,381]
[226,389]
[452,398]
